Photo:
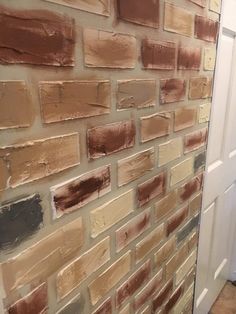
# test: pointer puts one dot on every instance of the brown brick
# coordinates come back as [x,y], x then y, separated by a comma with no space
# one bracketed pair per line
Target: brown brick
[195,140]
[160,298]
[108,49]
[158,55]
[132,229]
[4,174]
[195,204]
[205,28]
[154,126]
[136,93]
[105,308]
[201,3]
[34,302]
[172,90]
[37,159]
[133,283]
[111,276]
[138,12]
[166,205]
[110,138]
[165,252]
[189,58]
[191,187]
[174,263]
[151,188]
[67,100]
[176,220]
[135,166]
[185,117]
[173,299]
[200,87]
[36,37]
[178,20]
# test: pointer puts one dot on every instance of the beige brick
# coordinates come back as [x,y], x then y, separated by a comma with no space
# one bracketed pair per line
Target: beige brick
[77,271]
[185,267]
[166,205]
[104,308]
[209,59]
[181,171]
[179,307]
[165,252]
[178,20]
[135,166]
[185,117]
[204,113]
[215,5]
[152,240]
[170,151]
[175,262]
[126,310]
[200,87]
[105,216]
[109,278]
[108,49]
[195,204]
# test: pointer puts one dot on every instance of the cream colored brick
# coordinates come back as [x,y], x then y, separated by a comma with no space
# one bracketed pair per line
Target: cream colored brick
[209,59]
[72,275]
[105,216]
[181,171]
[125,310]
[215,5]
[204,113]
[169,151]
[185,267]
[184,300]
[109,278]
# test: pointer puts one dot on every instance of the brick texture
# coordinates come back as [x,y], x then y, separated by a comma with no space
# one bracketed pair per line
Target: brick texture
[205,28]
[172,90]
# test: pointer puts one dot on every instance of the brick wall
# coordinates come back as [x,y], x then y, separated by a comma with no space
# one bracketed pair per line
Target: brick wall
[104,110]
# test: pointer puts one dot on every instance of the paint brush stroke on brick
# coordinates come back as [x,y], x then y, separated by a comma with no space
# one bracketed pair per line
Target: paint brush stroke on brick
[36,37]
[19,220]
[77,192]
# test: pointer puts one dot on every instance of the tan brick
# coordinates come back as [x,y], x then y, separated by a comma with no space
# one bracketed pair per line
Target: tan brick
[201,3]
[166,205]
[172,90]
[16,108]
[191,187]
[104,308]
[204,113]
[175,262]
[135,166]
[209,59]
[136,94]
[181,171]
[176,220]
[37,159]
[108,49]
[111,277]
[195,140]
[185,267]
[193,241]
[77,271]
[152,240]
[67,100]
[165,252]
[92,6]
[179,307]
[215,6]
[155,126]
[4,174]
[185,117]
[107,215]
[189,58]
[178,20]
[170,151]
[200,87]
[126,310]
[195,204]
[45,257]
[205,28]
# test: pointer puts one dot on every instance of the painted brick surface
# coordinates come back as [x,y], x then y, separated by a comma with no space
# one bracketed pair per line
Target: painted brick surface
[105,308]
[76,304]
[204,113]
[166,204]
[195,204]
[176,261]
[215,6]
[189,58]
[188,189]
[205,28]
[176,220]
[195,140]
[185,267]
[165,251]
[172,90]
[173,299]
[209,59]
[201,3]
[185,117]
[160,298]
[181,171]
[200,87]
[185,231]
[199,161]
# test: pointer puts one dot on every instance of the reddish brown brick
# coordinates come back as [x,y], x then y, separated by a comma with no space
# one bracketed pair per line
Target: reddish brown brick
[110,138]
[191,187]
[105,308]
[176,220]
[160,298]
[36,37]
[185,117]
[173,299]
[200,87]
[139,12]
[172,90]
[151,188]
[189,58]
[195,140]
[205,28]
[158,55]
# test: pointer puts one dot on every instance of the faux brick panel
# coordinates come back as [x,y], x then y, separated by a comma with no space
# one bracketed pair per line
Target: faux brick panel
[215,6]
[183,302]
[165,252]
[185,267]
[188,227]
[66,100]
[185,117]
[189,58]
[173,299]
[195,140]
[166,205]
[138,12]
[172,90]
[201,3]
[195,204]
[170,151]
[76,304]
[77,192]
[176,220]
[191,187]
[204,113]
[105,308]
[160,298]
[199,161]
[110,138]
[200,87]
[109,50]
[19,220]
[36,37]
[209,59]
[205,28]
[15,95]
[126,310]
[176,261]
[181,171]
[158,55]
[136,93]
[4,174]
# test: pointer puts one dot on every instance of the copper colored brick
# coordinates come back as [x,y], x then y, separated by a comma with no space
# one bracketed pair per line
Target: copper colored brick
[110,138]
[158,55]
[189,58]
[165,251]
[139,12]
[173,299]
[34,302]
[166,205]
[109,50]
[105,308]
[200,87]
[133,283]
[67,100]
[138,93]
[172,90]
[151,188]
[177,260]
[205,28]
[201,3]
[36,37]
[4,174]
[156,125]
[185,117]
[191,187]
[195,140]
[160,298]
[176,220]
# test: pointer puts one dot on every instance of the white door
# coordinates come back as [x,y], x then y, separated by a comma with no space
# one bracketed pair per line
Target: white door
[219,195]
